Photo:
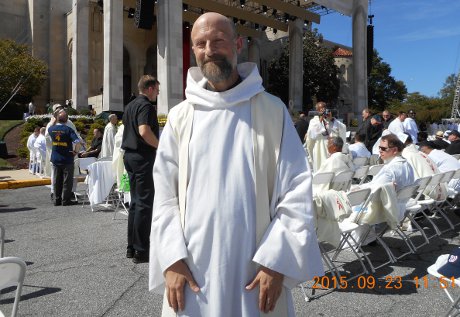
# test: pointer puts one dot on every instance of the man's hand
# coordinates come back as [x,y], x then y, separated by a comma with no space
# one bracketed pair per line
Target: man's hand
[270,286]
[176,276]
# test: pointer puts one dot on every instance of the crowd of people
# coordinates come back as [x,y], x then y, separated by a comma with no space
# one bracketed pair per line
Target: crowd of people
[221,208]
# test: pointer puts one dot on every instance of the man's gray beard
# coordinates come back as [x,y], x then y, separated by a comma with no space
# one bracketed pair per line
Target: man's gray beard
[217,72]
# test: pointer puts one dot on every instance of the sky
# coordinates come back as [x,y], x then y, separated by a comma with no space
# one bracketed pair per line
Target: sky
[419,39]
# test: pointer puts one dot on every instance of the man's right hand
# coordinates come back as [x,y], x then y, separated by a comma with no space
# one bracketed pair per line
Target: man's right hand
[176,276]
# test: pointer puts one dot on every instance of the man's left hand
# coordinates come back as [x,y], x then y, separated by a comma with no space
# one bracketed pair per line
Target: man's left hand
[270,285]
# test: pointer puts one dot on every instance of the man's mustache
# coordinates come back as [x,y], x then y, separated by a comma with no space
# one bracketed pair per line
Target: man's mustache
[213,60]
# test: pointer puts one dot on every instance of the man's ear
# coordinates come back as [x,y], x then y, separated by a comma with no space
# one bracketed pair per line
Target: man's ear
[239,44]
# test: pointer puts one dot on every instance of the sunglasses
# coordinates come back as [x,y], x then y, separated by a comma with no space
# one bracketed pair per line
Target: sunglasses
[384,149]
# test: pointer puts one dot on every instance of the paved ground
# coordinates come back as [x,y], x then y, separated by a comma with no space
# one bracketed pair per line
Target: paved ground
[77,267]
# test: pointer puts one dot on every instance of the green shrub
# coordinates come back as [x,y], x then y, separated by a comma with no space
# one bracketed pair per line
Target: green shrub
[23,152]
[80,126]
[85,112]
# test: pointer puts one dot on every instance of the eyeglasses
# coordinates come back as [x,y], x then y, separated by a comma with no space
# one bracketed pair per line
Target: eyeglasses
[384,149]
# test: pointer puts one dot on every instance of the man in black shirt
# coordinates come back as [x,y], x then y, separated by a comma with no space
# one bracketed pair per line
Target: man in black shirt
[301,125]
[454,147]
[96,145]
[140,141]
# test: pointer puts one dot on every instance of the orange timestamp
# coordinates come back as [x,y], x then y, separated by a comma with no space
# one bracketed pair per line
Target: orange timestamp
[386,282]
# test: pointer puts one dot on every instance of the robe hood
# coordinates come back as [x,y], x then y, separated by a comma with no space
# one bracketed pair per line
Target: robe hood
[251,85]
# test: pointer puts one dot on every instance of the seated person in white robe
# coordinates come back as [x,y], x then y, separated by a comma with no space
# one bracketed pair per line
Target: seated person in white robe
[358,149]
[423,166]
[445,162]
[214,240]
[337,162]
[108,139]
[320,129]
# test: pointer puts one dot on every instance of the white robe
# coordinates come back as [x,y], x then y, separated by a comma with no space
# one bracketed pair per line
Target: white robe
[317,135]
[336,163]
[108,140]
[396,126]
[410,127]
[424,166]
[218,242]
[446,162]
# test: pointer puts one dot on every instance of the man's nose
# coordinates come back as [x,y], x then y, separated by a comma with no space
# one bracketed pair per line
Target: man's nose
[210,49]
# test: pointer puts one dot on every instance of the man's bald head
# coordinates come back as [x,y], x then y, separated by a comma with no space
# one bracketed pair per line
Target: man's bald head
[209,19]
[62,116]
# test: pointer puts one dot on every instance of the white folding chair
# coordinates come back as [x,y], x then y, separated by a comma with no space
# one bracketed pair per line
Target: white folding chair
[454,309]
[2,241]
[360,173]
[360,161]
[12,272]
[342,181]
[428,202]
[456,156]
[322,178]
[374,159]
[436,207]
[373,170]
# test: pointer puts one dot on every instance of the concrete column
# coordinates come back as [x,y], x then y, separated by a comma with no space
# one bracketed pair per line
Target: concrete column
[296,65]
[113,56]
[169,57]
[254,52]
[359,18]
[39,26]
[80,11]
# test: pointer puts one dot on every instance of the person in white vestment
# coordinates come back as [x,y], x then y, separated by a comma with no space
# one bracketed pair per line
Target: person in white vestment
[337,161]
[32,151]
[358,149]
[233,225]
[40,147]
[423,166]
[444,161]
[397,125]
[410,126]
[108,139]
[320,129]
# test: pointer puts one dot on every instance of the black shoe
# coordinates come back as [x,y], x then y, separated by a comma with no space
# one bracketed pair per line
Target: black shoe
[52,197]
[129,253]
[69,203]
[58,202]
[140,257]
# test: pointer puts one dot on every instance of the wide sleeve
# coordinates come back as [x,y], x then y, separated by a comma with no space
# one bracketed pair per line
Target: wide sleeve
[316,129]
[167,242]
[289,245]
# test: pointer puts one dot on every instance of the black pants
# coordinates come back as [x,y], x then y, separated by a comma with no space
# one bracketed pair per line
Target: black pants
[63,182]
[139,167]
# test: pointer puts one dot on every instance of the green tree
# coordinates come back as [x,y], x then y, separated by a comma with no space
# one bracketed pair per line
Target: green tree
[428,109]
[447,91]
[320,75]
[17,65]
[383,89]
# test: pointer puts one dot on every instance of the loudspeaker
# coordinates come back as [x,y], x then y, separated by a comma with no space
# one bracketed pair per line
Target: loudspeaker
[143,17]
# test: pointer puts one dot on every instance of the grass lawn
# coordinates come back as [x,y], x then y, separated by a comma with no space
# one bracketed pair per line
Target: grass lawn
[6,125]
[4,164]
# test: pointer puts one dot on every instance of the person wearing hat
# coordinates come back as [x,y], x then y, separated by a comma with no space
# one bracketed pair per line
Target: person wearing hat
[410,126]
[57,108]
[450,267]
[454,147]
[439,141]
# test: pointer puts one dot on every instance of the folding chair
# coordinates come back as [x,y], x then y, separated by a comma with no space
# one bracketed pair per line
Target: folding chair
[360,174]
[374,159]
[403,196]
[456,156]
[322,181]
[428,202]
[342,181]
[436,207]
[452,192]
[2,241]
[360,161]
[360,200]
[454,308]
[12,272]
[373,170]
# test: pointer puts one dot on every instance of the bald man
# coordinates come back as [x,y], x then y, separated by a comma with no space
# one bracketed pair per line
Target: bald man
[232,228]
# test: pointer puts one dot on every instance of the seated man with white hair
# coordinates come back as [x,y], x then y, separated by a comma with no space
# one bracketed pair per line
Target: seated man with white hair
[336,162]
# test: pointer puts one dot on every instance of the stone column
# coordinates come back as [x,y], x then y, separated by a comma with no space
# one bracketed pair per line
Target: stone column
[113,56]
[254,52]
[169,57]
[80,11]
[359,18]
[39,26]
[296,64]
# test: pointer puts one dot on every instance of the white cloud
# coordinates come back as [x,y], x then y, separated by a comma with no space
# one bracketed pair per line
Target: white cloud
[428,34]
